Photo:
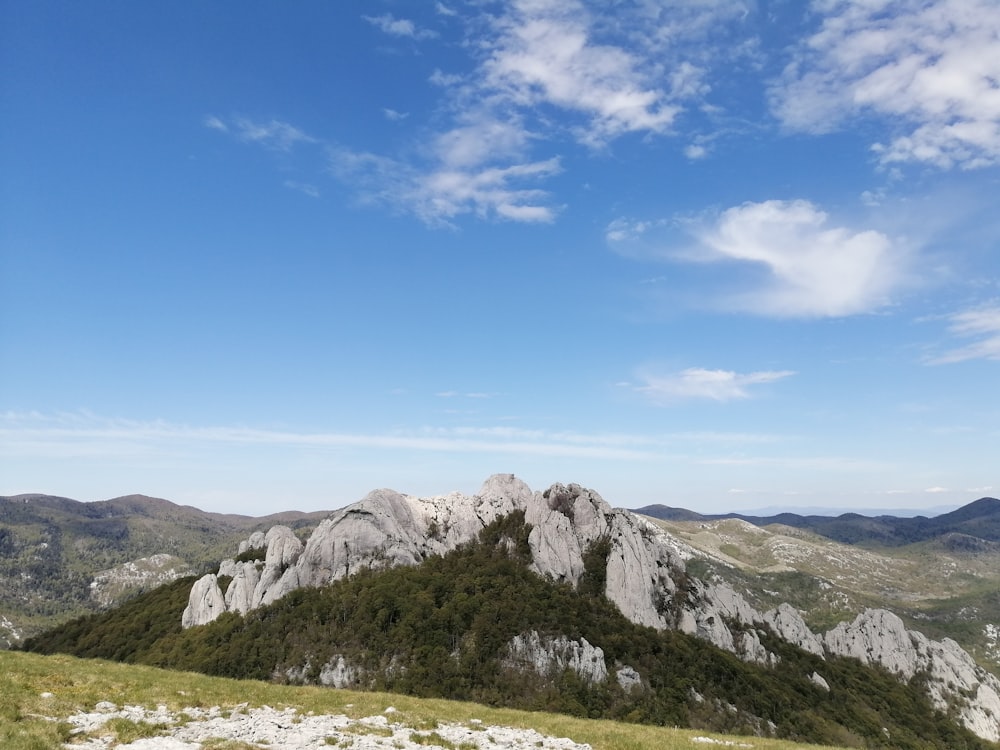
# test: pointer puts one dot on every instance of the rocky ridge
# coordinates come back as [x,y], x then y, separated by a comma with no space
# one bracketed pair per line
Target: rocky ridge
[645,579]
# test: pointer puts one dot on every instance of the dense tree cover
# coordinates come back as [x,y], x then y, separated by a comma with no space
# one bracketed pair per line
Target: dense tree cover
[441,629]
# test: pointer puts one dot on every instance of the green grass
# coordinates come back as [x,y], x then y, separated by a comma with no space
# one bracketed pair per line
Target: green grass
[79,684]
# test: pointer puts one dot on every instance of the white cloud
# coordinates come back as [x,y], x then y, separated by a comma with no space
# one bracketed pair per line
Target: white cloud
[85,435]
[440,194]
[695,151]
[696,382]
[90,436]
[629,230]
[542,72]
[402,27]
[982,324]
[814,269]
[273,134]
[546,53]
[391,114]
[215,123]
[929,68]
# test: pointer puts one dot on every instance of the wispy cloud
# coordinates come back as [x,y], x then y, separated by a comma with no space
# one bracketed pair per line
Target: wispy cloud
[814,269]
[83,434]
[543,72]
[443,193]
[213,122]
[930,69]
[272,134]
[699,383]
[402,27]
[303,187]
[982,324]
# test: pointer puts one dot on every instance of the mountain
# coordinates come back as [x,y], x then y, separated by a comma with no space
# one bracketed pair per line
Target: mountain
[979,519]
[543,599]
[60,557]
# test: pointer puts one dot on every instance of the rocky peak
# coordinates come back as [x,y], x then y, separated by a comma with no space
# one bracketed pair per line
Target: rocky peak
[643,565]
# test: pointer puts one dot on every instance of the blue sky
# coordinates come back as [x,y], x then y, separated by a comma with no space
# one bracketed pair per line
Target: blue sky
[717,254]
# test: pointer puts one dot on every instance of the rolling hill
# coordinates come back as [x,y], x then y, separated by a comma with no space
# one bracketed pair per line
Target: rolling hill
[53,548]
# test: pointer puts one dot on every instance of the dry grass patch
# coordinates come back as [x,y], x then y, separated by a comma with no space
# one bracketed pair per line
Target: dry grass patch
[33,687]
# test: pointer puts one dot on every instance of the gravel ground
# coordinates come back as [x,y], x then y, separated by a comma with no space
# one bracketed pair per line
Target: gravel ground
[287,729]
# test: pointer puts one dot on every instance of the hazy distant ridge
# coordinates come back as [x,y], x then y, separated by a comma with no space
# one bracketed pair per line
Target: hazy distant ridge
[979,519]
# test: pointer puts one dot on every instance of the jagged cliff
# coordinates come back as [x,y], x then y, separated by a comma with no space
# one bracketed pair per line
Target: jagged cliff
[645,578]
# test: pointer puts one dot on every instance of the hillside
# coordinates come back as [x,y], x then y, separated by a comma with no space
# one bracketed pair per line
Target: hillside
[52,549]
[450,627]
[948,586]
[46,700]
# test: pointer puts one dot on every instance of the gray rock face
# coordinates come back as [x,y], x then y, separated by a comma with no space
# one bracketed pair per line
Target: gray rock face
[550,655]
[339,673]
[240,594]
[387,528]
[205,602]
[879,637]
[628,678]
[786,622]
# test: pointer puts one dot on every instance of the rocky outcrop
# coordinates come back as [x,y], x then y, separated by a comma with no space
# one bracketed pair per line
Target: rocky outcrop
[819,681]
[550,655]
[10,634]
[387,528]
[628,679]
[786,622]
[953,679]
[338,673]
[205,602]
[645,578]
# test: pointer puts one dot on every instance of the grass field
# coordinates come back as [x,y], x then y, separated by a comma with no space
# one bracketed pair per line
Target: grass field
[37,691]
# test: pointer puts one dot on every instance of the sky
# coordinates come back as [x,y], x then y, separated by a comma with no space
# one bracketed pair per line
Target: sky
[716,254]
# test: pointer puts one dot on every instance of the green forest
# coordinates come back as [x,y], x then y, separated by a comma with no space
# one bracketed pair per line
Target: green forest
[441,629]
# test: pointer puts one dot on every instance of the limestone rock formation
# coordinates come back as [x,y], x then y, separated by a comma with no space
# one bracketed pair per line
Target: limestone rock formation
[879,637]
[387,528]
[205,602]
[628,678]
[550,655]
[786,622]
[645,578]
[339,673]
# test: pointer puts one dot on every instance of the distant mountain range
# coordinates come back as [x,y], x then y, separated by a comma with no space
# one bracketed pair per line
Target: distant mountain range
[977,520]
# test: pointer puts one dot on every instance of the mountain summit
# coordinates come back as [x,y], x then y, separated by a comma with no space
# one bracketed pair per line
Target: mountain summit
[643,574]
